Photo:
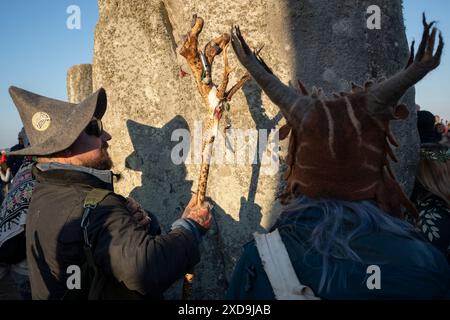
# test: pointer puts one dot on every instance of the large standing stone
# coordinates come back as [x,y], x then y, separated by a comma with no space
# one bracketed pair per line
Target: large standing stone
[136,59]
[334,47]
[79,82]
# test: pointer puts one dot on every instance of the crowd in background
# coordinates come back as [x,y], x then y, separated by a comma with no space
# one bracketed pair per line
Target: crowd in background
[442,127]
[432,187]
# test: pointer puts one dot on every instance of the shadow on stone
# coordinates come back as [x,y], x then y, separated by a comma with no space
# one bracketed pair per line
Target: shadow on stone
[165,191]
[262,122]
[164,188]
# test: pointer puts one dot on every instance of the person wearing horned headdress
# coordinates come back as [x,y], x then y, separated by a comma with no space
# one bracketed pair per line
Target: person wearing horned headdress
[343,233]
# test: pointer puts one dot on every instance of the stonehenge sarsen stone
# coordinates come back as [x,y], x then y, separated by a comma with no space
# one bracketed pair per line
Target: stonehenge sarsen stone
[136,60]
[79,82]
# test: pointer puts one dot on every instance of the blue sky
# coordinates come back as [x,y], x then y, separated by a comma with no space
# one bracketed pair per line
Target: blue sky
[37,50]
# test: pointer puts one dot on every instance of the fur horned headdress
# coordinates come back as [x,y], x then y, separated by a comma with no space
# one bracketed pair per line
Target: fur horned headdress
[340,148]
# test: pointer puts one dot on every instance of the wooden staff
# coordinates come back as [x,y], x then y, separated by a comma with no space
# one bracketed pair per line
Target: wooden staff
[215,98]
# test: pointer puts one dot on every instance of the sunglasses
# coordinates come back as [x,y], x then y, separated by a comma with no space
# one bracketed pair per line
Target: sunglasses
[94,128]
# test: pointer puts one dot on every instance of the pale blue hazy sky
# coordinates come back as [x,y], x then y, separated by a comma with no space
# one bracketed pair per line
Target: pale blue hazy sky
[37,50]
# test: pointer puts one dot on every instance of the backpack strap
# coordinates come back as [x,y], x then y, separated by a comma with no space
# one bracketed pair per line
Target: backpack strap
[93,198]
[278,267]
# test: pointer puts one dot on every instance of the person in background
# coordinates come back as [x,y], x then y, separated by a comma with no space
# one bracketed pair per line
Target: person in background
[2,185]
[440,128]
[344,212]
[437,119]
[3,156]
[5,176]
[13,212]
[432,188]
[2,160]
[426,124]
[443,131]
[14,162]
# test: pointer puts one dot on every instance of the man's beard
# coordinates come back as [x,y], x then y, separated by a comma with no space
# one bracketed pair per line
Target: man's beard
[104,162]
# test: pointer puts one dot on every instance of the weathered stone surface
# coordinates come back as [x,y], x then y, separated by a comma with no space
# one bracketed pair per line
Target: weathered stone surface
[79,82]
[334,47]
[136,59]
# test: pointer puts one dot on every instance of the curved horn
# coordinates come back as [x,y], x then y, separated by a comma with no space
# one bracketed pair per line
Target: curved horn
[392,89]
[280,94]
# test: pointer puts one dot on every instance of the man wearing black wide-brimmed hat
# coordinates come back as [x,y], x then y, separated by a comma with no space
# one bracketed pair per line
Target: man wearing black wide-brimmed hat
[77,223]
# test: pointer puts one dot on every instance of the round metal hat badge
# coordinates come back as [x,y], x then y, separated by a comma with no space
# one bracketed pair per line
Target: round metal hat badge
[41,121]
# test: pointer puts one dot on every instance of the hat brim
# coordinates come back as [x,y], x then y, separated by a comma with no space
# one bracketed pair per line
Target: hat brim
[76,121]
